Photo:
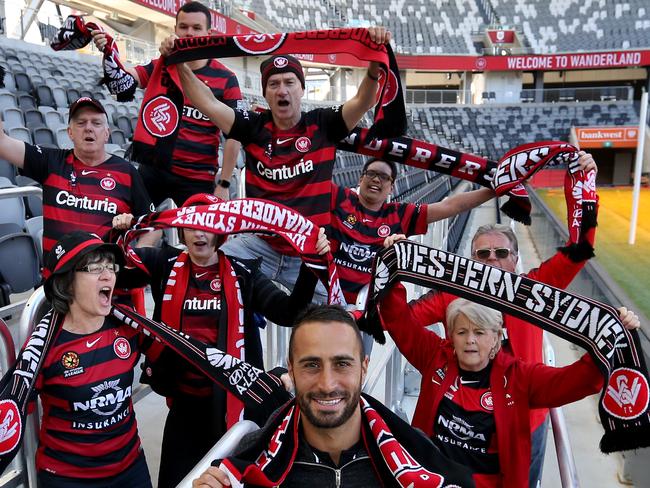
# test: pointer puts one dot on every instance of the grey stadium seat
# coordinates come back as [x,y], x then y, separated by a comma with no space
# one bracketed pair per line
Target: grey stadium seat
[19,264]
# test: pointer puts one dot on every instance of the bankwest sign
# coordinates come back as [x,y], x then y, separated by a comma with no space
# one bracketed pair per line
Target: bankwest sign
[619,136]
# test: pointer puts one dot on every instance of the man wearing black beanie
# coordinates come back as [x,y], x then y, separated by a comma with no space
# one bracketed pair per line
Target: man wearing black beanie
[290,154]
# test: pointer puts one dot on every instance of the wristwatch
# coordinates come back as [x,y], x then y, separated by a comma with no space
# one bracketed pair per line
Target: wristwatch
[223,183]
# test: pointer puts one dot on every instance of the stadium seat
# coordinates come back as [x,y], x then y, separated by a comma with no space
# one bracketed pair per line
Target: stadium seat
[34,119]
[63,139]
[19,264]
[34,228]
[43,136]
[12,117]
[20,133]
[72,95]
[8,171]
[7,100]
[54,120]
[10,81]
[117,137]
[13,209]
[124,124]
[60,97]
[26,102]
[44,96]
[34,204]
[23,82]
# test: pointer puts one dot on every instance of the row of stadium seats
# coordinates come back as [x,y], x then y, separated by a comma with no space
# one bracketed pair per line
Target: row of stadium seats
[441,26]
[491,130]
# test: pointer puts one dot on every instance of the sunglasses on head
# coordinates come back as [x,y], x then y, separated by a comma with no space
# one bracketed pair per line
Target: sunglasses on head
[499,252]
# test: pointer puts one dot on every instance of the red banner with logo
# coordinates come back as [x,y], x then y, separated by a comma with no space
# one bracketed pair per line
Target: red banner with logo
[619,136]
[501,36]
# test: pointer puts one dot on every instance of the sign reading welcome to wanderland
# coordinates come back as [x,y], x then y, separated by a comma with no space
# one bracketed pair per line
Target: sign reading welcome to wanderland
[618,136]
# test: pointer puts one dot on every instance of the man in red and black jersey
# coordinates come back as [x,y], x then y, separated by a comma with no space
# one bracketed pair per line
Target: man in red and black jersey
[362,221]
[289,153]
[85,187]
[195,160]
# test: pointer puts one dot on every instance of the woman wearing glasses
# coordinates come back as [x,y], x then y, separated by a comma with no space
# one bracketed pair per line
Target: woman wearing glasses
[475,399]
[89,436]
[362,220]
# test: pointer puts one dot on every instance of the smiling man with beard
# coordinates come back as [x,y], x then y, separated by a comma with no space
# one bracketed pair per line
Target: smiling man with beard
[332,434]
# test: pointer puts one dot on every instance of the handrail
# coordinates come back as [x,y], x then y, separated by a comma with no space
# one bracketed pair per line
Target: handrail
[20,191]
[566,462]
[221,449]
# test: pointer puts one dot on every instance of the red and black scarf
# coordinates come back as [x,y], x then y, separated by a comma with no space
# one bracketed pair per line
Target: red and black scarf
[17,385]
[401,456]
[75,34]
[504,176]
[231,306]
[246,215]
[162,106]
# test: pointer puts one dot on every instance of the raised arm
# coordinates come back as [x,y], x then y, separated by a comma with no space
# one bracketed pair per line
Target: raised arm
[99,39]
[11,149]
[202,98]
[458,203]
[366,96]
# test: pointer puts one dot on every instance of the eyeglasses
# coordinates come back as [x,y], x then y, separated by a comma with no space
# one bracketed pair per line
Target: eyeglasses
[499,252]
[375,174]
[98,268]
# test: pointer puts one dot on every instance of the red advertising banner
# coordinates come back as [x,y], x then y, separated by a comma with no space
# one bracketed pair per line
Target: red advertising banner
[617,136]
[501,36]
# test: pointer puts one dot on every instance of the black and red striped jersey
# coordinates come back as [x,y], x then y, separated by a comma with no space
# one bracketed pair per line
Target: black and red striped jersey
[88,429]
[196,152]
[357,233]
[200,319]
[81,197]
[465,429]
[294,166]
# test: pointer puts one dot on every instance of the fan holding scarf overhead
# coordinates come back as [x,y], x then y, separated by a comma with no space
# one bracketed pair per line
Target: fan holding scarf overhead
[212,298]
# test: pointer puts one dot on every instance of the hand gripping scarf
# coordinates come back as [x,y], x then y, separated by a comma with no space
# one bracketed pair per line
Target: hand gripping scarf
[75,34]
[401,456]
[247,215]
[232,339]
[163,100]
[504,176]
[592,325]
[260,392]
[18,383]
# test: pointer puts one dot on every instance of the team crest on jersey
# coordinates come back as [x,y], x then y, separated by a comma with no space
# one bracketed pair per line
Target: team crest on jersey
[486,401]
[160,117]
[303,144]
[122,348]
[280,62]
[259,43]
[627,394]
[108,183]
[383,231]
[350,221]
[10,426]
[215,285]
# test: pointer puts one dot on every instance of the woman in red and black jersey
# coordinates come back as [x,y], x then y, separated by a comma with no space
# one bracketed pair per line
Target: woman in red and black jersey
[89,435]
[212,298]
[475,399]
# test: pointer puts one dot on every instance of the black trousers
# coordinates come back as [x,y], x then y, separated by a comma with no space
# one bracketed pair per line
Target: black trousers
[192,427]
[162,183]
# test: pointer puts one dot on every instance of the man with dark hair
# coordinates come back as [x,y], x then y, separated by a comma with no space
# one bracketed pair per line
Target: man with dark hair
[84,188]
[334,425]
[361,222]
[194,162]
[289,153]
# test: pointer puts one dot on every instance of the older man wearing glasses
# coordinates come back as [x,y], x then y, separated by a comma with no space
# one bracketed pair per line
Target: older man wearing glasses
[497,246]
[362,221]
